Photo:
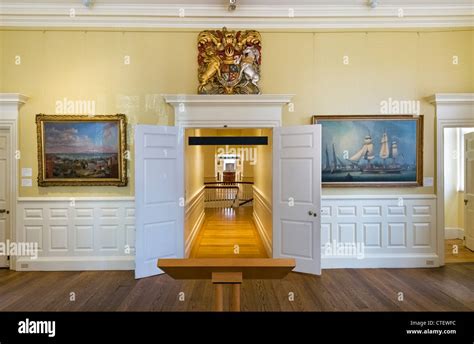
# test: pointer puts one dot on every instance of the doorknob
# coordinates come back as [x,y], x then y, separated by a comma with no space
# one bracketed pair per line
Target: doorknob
[310,213]
[3,211]
[466,202]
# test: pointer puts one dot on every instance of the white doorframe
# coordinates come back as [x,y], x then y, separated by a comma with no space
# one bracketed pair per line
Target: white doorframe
[10,104]
[453,110]
[193,111]
[11,183]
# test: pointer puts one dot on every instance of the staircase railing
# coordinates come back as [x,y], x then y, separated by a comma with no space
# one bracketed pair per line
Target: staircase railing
[228,194]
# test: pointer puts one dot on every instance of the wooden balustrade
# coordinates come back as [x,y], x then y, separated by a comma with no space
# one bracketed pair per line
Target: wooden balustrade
[228,194]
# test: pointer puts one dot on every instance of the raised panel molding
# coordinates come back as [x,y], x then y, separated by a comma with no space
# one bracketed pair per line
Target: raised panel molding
[393,235]
[372,234]
[87,234]
[58,238]
[347,232]
[397,234]
[69,237]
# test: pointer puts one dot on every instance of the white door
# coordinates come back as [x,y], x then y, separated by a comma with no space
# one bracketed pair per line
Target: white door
[159,199]
[4,191]
[469,190]
[297,196]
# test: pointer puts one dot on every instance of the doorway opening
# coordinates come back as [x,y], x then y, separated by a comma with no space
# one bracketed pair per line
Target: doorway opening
[228,193]
[458,186]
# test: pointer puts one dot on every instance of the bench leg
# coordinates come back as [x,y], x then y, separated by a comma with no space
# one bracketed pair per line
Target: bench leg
[235,302]
[219,297]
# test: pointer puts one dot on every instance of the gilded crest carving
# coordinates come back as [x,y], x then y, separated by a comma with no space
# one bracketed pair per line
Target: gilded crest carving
[229,62]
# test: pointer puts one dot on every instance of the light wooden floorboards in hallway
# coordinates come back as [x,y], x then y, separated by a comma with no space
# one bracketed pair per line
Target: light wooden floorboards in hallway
[223,229]
[463,255]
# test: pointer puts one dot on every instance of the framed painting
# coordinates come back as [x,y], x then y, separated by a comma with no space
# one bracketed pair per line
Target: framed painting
[371,150]
[81,150]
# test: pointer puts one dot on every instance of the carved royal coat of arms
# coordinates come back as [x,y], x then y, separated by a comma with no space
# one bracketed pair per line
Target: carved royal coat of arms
[229,62]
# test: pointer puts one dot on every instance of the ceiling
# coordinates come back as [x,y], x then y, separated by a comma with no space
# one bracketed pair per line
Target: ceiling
[257,14]
[287,3]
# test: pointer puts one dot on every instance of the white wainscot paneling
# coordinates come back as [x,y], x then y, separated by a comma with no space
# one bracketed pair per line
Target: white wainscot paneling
[87,234]
[394,231]
[193,219]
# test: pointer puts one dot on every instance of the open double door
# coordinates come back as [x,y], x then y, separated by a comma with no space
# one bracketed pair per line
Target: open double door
[159,196]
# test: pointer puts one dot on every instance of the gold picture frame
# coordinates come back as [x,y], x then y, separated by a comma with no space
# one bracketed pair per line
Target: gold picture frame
[400,134]
[81,150]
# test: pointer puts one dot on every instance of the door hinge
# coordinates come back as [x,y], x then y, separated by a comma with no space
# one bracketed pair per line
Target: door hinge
[8,257]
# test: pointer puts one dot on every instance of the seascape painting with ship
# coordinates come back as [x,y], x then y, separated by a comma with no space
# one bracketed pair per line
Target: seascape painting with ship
[369,151]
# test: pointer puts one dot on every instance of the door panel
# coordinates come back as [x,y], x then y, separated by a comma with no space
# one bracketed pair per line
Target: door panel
[469,190]
[4,191]
[297,196]
[159,186]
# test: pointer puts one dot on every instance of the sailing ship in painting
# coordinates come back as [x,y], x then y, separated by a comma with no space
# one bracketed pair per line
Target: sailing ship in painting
[367,161]
[387,154]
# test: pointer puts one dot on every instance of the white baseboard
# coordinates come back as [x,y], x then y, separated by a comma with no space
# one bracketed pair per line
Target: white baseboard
[453,233]
[75,263]
[194,232]
[267,243]
[382,261]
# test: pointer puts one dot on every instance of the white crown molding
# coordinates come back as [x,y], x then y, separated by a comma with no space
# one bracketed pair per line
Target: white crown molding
[13,14]
[451,98]
[234,99]
[13,98]
[237,111]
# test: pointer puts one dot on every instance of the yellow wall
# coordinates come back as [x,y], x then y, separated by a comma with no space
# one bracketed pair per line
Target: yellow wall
[194,182]
[263,181]
[193,165]
[209,162]
[211,151]
[263,169]
[89,65]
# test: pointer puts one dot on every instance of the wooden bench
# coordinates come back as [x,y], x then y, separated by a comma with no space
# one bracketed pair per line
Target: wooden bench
[230,271]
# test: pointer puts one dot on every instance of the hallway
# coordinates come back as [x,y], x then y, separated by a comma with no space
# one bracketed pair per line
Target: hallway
[223,229]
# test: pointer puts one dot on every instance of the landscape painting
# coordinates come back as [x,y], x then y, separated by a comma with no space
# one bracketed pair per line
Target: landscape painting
[81,150]
[377,150]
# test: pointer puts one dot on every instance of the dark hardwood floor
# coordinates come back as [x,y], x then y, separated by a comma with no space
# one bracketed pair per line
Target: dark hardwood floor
[450,288]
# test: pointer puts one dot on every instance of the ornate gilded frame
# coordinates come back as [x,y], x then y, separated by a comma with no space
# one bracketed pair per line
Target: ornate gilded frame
[419,149]
[122,179]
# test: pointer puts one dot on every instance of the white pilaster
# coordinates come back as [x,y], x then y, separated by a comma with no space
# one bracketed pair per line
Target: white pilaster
[10,104]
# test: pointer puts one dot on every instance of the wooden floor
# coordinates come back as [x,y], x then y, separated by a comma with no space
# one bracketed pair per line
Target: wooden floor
[464,255]
[228,233]
[450,288]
